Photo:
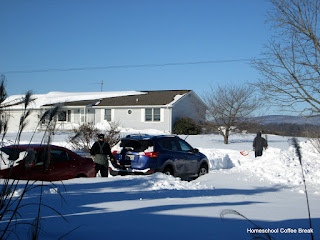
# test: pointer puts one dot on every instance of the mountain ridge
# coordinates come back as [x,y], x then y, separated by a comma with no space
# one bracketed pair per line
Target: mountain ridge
[286,119]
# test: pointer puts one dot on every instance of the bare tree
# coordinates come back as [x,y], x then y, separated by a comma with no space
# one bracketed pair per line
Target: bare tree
[230,104]
[290,65]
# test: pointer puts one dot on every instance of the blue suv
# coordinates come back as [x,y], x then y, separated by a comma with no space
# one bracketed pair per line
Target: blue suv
[145,154]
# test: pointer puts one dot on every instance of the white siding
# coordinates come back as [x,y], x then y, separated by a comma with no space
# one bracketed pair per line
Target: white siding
[189,106]
[14,120]
[135,118]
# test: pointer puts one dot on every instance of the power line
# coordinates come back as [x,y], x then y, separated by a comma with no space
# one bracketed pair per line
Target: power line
[125,66]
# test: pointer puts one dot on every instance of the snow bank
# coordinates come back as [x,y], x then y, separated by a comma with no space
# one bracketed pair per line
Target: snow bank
[160,181]
[104,125]
[279,163]
[283,166]
[127,131]
[218,160]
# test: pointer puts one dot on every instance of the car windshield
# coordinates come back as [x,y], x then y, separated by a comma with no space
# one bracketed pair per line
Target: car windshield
[136,145]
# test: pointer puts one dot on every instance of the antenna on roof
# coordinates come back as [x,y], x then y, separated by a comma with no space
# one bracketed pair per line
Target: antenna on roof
[101,84]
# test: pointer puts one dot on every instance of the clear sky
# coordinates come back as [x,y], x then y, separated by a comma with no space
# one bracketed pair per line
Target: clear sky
[94,35]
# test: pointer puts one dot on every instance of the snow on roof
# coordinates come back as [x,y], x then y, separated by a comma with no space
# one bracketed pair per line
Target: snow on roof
[61,97]
[176,98]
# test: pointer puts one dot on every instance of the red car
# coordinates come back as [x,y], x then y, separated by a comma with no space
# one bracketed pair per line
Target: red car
[29,162]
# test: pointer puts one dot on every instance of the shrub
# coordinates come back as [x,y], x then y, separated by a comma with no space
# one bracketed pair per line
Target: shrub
[186,126]
[84,136]
[112,135]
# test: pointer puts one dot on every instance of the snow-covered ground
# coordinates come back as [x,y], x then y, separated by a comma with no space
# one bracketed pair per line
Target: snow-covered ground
[267,190]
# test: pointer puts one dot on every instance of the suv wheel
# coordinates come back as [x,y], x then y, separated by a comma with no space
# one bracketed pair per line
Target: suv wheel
[203,170]
[168,171]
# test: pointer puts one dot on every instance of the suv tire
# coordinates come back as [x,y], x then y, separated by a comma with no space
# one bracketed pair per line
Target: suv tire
[168,171]
[203,170]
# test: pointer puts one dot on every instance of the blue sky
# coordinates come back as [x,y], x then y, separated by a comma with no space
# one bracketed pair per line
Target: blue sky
[65,34]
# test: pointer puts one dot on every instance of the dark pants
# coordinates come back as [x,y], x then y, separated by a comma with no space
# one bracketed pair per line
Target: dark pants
[258,153]
[102,168]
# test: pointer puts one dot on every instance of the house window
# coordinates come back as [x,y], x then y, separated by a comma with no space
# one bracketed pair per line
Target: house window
[152,115]
[107,115]
[3,117]
[156,114]
[64,116]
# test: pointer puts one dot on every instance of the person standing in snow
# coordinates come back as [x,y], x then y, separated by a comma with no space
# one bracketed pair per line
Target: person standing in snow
[258,144]
[100,150]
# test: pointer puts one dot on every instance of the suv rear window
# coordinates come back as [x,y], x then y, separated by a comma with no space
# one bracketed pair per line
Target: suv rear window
[136,145]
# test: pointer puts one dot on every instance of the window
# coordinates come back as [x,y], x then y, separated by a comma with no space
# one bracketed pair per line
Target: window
[149,114]
[59,156]
[185,147]
[169,144]
[152,115]
[156,114]
[64,116]
[3,117]
[107,115]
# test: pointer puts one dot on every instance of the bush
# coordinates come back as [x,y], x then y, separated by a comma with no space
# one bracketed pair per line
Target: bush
[84,136]
[186,126]
[112,135]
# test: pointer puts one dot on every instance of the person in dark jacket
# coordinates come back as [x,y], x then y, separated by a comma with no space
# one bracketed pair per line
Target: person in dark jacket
[258,144]
[100,150]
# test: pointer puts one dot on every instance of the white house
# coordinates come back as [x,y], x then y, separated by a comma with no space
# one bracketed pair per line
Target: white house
[137,110]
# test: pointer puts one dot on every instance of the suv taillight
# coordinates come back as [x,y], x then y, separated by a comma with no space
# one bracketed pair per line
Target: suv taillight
[150,154]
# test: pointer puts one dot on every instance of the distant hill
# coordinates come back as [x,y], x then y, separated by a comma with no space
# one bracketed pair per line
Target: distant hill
[280,119]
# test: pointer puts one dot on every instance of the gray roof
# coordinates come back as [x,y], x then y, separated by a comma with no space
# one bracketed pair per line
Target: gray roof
[150,98]
[147,98]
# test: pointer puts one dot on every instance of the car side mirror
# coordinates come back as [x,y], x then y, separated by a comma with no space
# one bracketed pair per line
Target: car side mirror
[195,150]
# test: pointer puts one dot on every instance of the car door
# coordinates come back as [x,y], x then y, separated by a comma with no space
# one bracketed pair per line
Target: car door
[36,172]
[170,154]
[62,165]
[190,158]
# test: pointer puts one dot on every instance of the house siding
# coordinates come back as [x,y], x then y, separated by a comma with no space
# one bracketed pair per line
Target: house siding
[189,106]
[14,116]
[136,119]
